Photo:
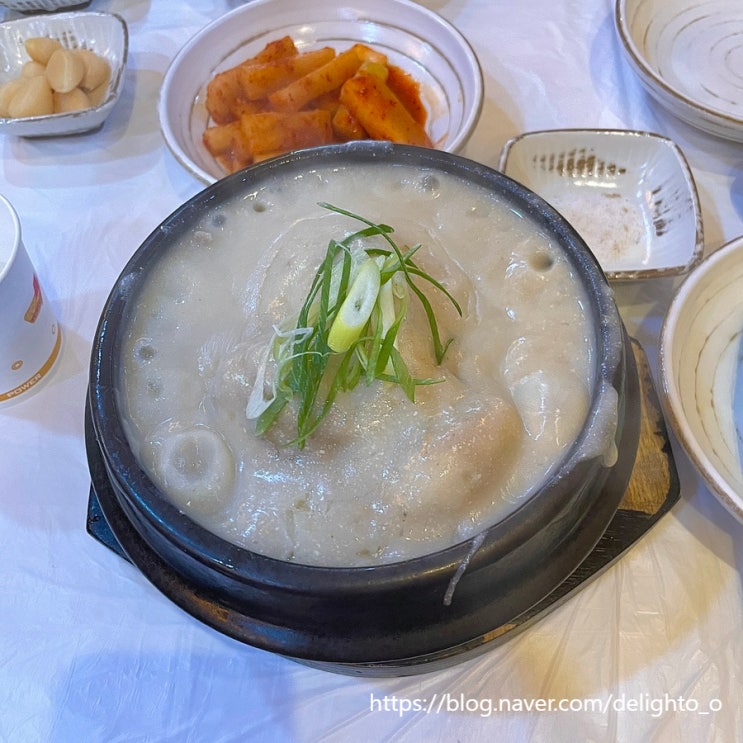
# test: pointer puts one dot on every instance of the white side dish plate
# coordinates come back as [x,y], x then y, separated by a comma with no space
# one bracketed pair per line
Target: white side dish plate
[414,38]
[702,371]
[688,55]
[105,34]
[630,195]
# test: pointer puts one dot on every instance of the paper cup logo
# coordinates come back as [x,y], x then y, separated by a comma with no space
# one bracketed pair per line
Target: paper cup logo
[30,338]
[32,313]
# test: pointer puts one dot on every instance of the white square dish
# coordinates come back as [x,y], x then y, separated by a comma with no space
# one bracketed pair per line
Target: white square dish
[630,195]
[103,33]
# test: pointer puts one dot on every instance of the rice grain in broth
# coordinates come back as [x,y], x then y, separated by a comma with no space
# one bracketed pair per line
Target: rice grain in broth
[382,479]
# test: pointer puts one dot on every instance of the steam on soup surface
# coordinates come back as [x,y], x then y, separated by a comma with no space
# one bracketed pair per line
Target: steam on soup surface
[382,479]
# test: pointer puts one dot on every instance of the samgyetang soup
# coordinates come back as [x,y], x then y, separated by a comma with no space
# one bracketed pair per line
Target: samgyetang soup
[356,364]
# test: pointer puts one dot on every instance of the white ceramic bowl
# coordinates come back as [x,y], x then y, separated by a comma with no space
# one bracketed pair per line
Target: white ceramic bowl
[414,38]
[103,33]
[46,6]
[702,372]
[688,55]
[630,195]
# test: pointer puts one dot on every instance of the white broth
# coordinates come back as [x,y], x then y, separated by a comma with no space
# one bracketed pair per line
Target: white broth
[382,479]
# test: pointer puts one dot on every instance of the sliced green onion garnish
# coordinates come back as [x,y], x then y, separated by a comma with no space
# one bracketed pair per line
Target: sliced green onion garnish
[353,314]
[346,330]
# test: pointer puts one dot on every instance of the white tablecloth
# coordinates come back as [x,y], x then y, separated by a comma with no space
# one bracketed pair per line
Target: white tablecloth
[90,651]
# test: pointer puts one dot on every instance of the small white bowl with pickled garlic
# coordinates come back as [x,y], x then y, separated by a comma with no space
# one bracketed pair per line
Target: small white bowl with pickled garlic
[702,372]
[74,61]
[630,195]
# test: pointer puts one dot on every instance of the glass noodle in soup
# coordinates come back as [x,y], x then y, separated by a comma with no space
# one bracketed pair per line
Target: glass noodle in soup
[382,479]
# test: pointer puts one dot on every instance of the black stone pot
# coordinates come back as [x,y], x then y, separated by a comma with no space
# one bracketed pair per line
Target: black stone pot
[407,617]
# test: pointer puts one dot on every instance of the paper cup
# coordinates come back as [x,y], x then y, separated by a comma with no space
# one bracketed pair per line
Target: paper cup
[30,337]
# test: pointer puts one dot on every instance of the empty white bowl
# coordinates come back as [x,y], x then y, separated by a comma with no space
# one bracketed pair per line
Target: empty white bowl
[630,195]
[103,33]
[43,6]
[688,55]
[414,38]
[702,373]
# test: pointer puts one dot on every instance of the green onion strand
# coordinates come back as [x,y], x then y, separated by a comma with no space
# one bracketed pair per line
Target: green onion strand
[308,371]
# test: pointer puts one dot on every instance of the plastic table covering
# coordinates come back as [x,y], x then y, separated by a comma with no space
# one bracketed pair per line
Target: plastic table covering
[89,650]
